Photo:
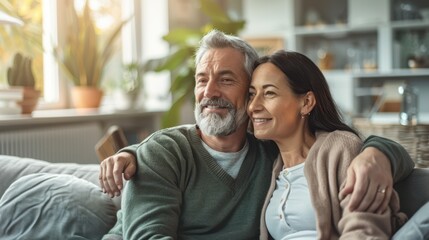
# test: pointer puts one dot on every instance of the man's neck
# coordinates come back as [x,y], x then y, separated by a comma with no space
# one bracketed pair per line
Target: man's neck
[234,142]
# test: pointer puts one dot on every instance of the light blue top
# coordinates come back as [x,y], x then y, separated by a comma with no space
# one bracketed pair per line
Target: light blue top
[290,214]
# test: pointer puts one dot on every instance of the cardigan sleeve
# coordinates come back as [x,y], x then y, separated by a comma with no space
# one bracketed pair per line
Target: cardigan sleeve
[326,171]
[400,160]
[361,225]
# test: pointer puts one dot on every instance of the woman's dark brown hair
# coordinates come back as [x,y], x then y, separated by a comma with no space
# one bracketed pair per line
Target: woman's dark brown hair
[304,76]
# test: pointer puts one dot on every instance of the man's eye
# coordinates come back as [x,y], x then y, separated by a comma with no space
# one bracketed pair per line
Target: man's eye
[226,80]
[201,81]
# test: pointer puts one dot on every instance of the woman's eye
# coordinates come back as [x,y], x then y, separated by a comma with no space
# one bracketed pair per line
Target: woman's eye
[269,94]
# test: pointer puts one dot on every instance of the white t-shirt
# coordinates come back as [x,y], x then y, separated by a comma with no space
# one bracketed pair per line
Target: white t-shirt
[229,161]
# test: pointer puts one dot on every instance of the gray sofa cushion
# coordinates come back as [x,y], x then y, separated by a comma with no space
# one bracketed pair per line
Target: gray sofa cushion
[12,168]
[55,206]
[414,191]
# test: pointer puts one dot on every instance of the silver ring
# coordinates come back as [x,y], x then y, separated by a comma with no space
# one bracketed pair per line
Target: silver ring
[381,190]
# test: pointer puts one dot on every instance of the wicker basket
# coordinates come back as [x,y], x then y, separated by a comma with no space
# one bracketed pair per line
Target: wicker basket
[415,139]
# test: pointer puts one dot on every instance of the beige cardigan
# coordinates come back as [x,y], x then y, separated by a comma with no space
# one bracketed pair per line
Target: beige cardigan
[325,170]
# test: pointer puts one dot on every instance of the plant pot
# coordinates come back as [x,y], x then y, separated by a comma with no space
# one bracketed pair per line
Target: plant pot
[125,100]
[86,97]
[30,100]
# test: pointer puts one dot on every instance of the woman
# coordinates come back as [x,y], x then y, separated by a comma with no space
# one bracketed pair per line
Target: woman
[316,148]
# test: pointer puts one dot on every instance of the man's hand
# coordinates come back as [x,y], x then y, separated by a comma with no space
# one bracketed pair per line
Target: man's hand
[369,180]
[111,170]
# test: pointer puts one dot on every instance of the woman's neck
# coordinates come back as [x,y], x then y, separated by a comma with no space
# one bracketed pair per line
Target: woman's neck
[294,150]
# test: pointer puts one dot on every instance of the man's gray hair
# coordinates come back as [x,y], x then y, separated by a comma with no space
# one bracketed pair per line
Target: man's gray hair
[217,39]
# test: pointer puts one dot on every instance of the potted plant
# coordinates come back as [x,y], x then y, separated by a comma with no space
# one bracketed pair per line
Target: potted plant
[20,75]
[129,87]
[180,61]
[25,38]
[83,57]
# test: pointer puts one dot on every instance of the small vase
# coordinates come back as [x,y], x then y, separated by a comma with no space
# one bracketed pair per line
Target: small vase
[30,100]
[86,97]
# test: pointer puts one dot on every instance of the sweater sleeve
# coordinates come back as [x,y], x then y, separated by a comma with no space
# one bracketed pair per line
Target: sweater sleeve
[152,199]
[130,149]
[400,160]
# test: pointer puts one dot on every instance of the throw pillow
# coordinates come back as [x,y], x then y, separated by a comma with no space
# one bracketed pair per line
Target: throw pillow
[55,206]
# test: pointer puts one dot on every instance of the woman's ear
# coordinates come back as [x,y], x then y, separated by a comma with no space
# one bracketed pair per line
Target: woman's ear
[309,103]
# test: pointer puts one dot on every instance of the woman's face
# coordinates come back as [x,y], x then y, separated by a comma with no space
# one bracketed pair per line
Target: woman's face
[273,108]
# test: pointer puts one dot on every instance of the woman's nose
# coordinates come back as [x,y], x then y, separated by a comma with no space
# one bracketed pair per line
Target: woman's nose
[253,104]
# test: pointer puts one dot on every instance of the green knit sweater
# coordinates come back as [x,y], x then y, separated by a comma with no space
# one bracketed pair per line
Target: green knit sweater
[180,192]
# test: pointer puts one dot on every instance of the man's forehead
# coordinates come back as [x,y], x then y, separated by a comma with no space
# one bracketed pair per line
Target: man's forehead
[223,59]
[222,55]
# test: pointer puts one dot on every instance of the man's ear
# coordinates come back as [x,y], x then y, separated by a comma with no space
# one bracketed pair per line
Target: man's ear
[309,103]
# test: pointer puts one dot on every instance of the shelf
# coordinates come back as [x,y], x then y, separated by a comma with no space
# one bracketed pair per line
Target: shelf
[337,29]
[67,116]
[410,24]
[353,50]
[393,73]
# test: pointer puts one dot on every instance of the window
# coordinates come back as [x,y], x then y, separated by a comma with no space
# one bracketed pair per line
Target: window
[26,39]
[141,40]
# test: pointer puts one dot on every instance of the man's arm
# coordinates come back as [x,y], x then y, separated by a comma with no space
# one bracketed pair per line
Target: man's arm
[369,177]
[114,167]
[151,202]
[400,161]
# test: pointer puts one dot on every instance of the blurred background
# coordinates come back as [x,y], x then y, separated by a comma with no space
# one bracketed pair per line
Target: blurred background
[137,54]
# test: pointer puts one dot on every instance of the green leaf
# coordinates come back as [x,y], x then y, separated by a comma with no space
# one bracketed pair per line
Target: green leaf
[154,64]
[183,81]
[83,58]
[177,59]
[172,116]
[228,27]
[183,36]
[214,11]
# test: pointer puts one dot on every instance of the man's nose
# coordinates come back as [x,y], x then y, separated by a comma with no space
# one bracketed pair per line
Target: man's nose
[212,89]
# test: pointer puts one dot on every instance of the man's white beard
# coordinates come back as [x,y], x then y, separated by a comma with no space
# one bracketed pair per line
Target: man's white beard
[214,124]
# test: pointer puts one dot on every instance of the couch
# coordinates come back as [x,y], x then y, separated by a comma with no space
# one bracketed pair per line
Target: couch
[27,199]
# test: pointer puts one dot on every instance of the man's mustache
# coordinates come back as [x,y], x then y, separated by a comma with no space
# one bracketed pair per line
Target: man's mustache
[218,102]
